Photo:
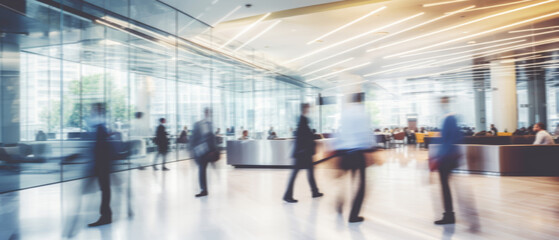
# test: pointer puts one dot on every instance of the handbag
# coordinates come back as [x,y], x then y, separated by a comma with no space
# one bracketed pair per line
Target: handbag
[212,156]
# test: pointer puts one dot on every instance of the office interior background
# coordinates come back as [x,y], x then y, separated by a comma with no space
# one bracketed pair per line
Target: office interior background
[254,66]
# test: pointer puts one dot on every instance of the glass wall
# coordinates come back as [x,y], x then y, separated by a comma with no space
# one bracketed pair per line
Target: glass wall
[136,57]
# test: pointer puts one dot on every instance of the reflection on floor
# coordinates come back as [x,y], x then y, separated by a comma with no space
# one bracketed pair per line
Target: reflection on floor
[402,201]
[26,175]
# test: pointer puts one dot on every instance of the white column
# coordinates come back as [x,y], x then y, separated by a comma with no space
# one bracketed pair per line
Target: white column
[503,86]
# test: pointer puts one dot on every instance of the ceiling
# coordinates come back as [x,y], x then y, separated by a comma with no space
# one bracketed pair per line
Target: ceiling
[213,12]
[402,26]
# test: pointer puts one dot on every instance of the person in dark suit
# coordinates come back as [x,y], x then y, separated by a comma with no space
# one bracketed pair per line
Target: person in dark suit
[302,153]
[162,142]
[102,156]
[446,159]
[203,144]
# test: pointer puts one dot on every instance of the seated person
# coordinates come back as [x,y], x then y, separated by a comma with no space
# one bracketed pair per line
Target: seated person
[542,136]
[494,130]
[410,135]
[244,136]
[520,132]
[482,133]
[272,136]
[316,135]
[41,136]
[530,131]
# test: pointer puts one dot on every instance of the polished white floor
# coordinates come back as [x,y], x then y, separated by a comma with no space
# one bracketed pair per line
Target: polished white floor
[402,201]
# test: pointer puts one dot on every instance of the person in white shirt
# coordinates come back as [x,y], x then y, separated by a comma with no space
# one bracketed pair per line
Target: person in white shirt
[542,136]
[353,139]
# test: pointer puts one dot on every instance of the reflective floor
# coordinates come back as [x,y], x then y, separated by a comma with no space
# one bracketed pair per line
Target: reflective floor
[401,203]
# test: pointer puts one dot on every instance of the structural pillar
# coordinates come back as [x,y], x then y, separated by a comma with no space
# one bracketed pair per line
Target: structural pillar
[479,101]
[9,81]
[537,110]
[504,102]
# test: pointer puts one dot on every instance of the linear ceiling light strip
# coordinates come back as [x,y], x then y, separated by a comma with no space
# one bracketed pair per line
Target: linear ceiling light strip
[498,5]
[460,25]
[477,44]
[391,35]
[475,35]
[258,35]
[355,37]
[346,25]
[246,29]
[339,71]
[456,53]
[442,3]
[329,66]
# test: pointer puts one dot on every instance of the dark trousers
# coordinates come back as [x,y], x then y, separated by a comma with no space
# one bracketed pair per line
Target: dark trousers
[310,176]
[202,169]
[163,154]
[105,186]
[356,163]
[444,174]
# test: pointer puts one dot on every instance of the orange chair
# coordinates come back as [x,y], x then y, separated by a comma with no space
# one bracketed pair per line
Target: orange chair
[420,138]
[433,134]
[504,134]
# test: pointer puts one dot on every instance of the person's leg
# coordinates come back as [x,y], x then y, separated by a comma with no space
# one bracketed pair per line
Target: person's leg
[358,201]
[288,196]
[202,166]
[164,155]
[105,209]
[155,160]
[448,216]
[447,197]
[312,182]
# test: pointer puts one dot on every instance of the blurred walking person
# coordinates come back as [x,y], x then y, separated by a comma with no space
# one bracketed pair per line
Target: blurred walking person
[204,149]
[103,153]
[162,142]
[446,159]
[303,153]
[353,140]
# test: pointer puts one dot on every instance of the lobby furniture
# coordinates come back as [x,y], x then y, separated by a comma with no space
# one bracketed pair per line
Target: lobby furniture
[513,160]
[269,153]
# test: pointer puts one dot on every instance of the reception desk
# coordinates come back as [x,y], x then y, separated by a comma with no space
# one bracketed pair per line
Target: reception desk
[272,153]
[519,160]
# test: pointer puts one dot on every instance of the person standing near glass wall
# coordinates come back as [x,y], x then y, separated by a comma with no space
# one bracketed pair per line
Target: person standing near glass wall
[102,156]
[162,142]
[204,149]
